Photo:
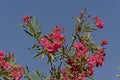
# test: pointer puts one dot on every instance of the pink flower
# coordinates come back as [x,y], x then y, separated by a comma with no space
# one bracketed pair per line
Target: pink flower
[26,19]
[63,71]
[81,49]
[5,65]
[90,71]
[44,41]
[50,48]
[99,60]
[99,23]
[57,35]
[92,61]
[65,78]
[101,51]
[58,29]
[81,78]
[1,55]
[57,43]
[16,73]
[104,42]
[78,45]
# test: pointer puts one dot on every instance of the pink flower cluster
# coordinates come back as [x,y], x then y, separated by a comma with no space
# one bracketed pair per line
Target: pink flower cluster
[15,72]
[81,65]
[99,23]
[5,65]
[26,19]
[80,48]
[54,40]
[97,59]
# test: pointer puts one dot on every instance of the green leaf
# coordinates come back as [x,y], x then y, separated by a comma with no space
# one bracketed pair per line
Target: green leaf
[28,33]
[118,76]
[92,78]
[49,59]
[34,21]
[6,78]
[52,56]
[67,65]
[31,29]
[37,55]
[42,57]
[48,78]
[118,68]
[21,25]
[38,35]
[38,28]
[27,74]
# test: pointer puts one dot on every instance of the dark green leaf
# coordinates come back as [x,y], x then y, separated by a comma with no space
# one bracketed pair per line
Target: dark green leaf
[38,54]
[28,33]
[6,78]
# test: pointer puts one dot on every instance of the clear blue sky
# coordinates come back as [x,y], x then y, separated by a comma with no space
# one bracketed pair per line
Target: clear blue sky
[52,12]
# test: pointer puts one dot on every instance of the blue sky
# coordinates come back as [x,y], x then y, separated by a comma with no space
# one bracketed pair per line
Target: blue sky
[59,12]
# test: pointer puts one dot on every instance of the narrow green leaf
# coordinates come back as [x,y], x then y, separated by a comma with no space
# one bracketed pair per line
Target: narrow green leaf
[67,65]
[92,78]
[52,56]
[28,33]
[49,59]
[21,25]
[34,21]
[38,28]
[88,36]
[38,35]
[38,54]
[31,29]
[42,57]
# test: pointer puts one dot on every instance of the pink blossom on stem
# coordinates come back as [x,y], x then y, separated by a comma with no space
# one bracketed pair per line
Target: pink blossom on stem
[65,78]
[58,29]
[26,19]
[5,65]
[81,49]
[91,61]
[57,35]
[81,78]
[16,73]
[101,51]
[44,41]
[63,71]
[99,60]
[57,43]
[50,48]
[99,23]
[1,55]
[104,42]
[90,71]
